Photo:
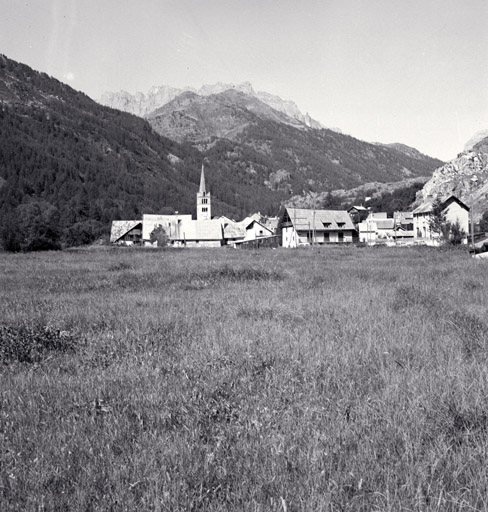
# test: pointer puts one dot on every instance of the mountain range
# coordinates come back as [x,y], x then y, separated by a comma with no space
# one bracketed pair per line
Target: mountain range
[93,164]
[142,104]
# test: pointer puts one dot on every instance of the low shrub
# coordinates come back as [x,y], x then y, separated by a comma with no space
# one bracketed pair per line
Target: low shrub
[471,331]
[120,266]
[32,344]
[228,273]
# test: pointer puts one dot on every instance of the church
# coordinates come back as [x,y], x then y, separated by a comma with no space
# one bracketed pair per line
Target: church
[183,231]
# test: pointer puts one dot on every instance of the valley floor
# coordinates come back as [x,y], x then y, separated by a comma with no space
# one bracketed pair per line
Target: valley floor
[341,378]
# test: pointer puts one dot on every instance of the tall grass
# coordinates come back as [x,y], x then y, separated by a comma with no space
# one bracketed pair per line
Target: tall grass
[333,379]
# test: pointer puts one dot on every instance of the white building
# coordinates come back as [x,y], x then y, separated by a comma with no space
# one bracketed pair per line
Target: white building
[251,229]
[375,228]
[300,226]
[200,233]
[170,223]
[453,210]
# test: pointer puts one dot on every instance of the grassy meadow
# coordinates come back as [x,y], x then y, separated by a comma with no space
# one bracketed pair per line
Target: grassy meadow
[338,379]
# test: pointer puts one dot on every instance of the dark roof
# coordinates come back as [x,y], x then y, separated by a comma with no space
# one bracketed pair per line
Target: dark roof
[358,208]
[428,206]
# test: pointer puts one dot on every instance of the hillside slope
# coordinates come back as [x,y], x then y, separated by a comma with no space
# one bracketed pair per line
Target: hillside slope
[92,163]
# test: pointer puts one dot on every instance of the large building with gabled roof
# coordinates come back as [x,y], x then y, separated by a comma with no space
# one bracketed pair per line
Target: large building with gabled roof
[300,226]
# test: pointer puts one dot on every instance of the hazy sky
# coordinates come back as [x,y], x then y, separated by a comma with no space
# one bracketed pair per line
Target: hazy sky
[411,71]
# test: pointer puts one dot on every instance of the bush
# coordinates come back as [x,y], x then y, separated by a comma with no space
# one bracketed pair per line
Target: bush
[226,273]
[456,233]
[483,224]
[32,226]
[158,234]
[24,344]
[83,233]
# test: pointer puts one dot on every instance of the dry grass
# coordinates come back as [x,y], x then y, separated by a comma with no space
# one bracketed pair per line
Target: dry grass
[334,379]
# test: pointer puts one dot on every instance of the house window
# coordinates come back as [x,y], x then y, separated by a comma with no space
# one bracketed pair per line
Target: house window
[341,224]
[327,224]
[340,237]
[326,237]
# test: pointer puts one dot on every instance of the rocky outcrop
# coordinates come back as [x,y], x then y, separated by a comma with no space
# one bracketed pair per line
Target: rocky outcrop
[466,177]
[192,117]
[140,104]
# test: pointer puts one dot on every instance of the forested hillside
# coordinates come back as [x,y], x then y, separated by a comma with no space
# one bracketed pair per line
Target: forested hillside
[83,163]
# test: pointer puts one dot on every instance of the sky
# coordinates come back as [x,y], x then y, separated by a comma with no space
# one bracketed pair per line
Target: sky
[409,71]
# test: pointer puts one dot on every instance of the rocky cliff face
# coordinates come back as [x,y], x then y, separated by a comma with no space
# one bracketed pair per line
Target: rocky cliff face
[466,177]
[142,104]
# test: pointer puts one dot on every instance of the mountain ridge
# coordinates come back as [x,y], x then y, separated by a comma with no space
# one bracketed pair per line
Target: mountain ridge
[142,104]
[192,117]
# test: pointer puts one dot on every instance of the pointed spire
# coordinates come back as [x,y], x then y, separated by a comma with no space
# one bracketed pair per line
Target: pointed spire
[202,183]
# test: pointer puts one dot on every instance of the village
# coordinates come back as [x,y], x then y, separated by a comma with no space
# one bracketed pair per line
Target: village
[296,227]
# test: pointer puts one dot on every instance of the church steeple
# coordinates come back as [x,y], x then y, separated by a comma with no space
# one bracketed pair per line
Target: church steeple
[202,182]
[203,200]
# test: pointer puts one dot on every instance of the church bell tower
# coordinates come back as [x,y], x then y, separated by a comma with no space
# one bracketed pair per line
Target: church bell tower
[203,200]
